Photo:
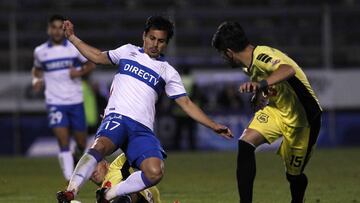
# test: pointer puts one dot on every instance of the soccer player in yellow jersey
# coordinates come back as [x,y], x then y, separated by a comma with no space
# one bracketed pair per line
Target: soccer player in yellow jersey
[286,107]
[108,175]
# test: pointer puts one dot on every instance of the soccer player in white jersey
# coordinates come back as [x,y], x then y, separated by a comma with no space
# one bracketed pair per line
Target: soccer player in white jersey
[59,65]
[141,76]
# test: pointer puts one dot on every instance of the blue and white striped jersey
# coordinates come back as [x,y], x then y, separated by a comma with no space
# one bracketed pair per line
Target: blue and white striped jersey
[139,81]
[55,61]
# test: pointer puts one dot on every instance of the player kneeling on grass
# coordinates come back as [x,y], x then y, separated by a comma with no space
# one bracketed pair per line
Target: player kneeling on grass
[107,175]
[285,105]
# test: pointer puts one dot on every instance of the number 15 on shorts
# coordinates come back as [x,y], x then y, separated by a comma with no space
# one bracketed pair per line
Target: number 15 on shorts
[296,161]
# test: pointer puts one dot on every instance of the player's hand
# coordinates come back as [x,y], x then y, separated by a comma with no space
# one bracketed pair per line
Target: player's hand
[249,87]
[37,85]
[74,73]
[223,131]
[68,28]
[259,100]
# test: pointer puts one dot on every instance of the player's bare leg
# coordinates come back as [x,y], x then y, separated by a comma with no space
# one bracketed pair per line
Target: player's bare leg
[246,166]
[80,139]
[152,171]
[65,156]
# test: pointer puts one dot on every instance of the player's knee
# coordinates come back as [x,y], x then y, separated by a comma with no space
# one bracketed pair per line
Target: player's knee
[297,179]
[154,174]
[103,146]
[63,142]
[81,147]
[244,149]
[252,137]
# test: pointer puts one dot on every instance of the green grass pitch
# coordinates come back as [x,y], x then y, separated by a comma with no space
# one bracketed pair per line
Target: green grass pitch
[198,177]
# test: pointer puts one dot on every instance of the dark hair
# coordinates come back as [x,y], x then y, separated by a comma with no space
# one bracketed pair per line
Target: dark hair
[230,35]
[160,23]
[56,17]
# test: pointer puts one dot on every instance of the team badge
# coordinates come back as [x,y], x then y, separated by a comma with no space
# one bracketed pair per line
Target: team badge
[274,62]
[262,118]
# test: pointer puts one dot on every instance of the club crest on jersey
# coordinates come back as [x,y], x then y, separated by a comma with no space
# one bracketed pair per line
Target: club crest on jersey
[274,62]
[262,118]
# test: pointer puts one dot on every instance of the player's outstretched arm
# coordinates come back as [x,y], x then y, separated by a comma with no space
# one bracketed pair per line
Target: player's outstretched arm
[283,73]
[91,53]
[197,114]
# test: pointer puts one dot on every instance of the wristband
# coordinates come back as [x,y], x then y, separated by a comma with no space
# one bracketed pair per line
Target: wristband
[35,80]
[263,84]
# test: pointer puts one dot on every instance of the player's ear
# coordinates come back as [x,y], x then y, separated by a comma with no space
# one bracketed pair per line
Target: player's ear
[144,36]
[229,52]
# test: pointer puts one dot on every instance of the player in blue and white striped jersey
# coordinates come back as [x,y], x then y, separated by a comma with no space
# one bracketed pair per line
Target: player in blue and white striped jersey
[59,65]
[142,74]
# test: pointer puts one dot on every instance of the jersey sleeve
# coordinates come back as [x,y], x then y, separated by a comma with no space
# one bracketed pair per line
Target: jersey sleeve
[174,87]
[269,60]
[116,54]
[81,58]
[37,63]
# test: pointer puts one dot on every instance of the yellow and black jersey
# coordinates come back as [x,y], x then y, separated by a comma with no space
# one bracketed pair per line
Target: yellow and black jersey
[294,98]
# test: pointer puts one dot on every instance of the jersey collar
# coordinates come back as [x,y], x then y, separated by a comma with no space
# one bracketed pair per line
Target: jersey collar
[50,44]
[248,69]
[161,57]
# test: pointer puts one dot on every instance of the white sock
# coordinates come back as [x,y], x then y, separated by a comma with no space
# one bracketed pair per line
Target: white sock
[82,172]
[66,161]
[134,183]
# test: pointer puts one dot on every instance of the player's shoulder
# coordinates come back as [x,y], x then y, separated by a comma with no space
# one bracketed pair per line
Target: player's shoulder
[265,54]
[128,47]
[169,68]
[262,49]
[41,47]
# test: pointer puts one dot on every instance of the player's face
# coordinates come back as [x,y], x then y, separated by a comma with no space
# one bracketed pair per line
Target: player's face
[229,58]
[55,31]
[154,42]
[98,175]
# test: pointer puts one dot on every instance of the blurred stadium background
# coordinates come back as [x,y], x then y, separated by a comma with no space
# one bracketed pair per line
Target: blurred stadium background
[322,36]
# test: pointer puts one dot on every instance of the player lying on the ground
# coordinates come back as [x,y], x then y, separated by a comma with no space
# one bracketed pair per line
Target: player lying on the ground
[143,74]
[59,65]
[285,104]
[106,175]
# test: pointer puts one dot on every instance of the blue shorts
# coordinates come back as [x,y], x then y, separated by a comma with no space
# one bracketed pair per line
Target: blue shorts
[71,116]
[137,141]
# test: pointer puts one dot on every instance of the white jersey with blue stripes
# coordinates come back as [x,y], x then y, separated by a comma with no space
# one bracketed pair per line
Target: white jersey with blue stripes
[138,83]
[55,61]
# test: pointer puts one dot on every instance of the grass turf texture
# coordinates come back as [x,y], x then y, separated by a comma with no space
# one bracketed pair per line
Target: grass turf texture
[201,177]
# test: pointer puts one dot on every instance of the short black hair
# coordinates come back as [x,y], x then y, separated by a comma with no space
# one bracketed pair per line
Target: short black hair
[160,23]
[230,35]
[56,17]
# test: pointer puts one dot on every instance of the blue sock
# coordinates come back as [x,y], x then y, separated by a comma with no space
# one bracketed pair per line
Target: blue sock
[95,154]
